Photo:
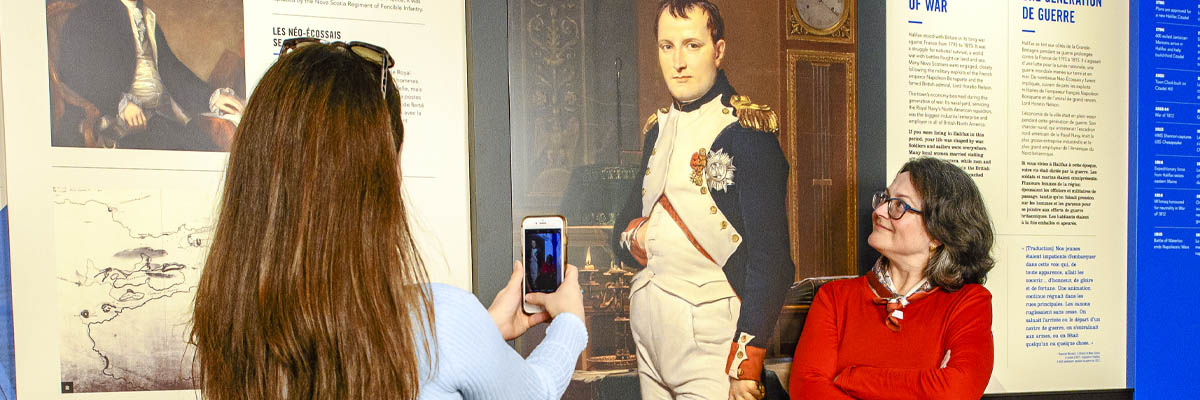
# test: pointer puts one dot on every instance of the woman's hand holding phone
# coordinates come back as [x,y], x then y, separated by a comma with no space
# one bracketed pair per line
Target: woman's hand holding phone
[512,321]
[568,298]
[506,309]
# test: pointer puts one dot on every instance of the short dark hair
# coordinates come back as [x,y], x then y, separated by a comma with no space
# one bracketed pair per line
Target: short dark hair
[680,8]
[954,215]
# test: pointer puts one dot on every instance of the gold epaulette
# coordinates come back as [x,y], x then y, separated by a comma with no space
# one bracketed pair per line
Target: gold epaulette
[650,122]
[754,116]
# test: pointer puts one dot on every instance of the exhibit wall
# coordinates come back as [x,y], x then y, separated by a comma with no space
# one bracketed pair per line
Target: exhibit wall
[585,79]
[1164,234]
[116,217]
[7,384]
[1075,117]
[1030,99]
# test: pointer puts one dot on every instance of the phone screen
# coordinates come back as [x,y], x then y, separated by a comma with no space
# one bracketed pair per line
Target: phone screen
[543,259]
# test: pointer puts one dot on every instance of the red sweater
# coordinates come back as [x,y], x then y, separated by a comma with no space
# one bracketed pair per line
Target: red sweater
[845,337]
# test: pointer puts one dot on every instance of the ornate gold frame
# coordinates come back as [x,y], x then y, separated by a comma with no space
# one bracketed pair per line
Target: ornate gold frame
[792,131]
[841,32]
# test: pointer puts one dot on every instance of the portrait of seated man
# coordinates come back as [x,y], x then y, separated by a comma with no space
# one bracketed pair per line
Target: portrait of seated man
[115,55]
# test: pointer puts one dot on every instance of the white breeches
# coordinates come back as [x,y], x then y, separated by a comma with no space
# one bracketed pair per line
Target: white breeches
[681,347]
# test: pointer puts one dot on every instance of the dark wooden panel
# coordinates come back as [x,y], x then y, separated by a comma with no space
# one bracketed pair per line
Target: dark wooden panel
[819,141]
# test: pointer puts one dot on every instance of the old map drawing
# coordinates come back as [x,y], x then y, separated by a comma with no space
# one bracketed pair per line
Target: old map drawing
[128,263]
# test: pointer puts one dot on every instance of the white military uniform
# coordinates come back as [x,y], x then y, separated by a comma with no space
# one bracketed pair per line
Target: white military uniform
[683,310]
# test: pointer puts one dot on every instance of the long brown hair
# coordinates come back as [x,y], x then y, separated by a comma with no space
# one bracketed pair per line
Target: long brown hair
[313,287]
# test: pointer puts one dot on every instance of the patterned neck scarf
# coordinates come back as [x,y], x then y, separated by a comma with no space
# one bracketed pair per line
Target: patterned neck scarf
[880,282]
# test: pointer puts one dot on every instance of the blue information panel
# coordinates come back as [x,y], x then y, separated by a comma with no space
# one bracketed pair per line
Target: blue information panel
[1169,134]
[1167,213]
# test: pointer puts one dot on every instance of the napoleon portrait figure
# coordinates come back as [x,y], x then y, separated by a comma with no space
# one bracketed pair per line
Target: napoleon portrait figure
[707,221]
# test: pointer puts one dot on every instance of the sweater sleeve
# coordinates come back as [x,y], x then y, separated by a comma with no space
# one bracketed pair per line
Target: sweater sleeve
[475,361]
[815,363]
[969,340]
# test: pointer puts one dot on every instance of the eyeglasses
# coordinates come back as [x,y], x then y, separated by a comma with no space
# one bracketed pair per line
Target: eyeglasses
[895,207]
[367,51]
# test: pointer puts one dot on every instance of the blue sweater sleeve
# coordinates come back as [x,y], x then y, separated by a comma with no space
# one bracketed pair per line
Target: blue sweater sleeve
[473,361]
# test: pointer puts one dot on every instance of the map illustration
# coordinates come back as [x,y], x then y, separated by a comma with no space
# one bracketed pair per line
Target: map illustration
[128,263]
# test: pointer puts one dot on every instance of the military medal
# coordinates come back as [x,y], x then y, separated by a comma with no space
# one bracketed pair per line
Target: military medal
[699,162]
[713,169]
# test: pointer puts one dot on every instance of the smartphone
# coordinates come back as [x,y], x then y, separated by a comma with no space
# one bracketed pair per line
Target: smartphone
[544,252]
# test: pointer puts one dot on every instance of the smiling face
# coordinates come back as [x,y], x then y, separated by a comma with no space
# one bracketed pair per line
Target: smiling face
[905,239]
[687,55]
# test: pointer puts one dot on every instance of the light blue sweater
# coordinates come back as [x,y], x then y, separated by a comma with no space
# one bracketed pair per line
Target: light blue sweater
[474,362]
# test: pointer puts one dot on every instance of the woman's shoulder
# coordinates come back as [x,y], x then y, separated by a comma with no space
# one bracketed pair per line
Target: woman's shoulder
[971,296]
[455,306]
[447,291]
[842,291]
[973,291]
[845,285]
[458,316]
[445,295]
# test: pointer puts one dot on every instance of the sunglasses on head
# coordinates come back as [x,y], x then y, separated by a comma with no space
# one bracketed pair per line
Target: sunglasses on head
[366,51]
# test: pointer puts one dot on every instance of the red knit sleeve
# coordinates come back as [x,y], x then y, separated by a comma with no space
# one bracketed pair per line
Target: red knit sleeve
[815,363]
[969,339]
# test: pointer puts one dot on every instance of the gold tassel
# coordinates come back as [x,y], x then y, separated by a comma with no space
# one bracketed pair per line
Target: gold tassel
[650,122]
[754,116]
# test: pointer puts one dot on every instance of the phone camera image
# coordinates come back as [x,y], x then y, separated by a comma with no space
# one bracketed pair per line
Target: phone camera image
[543,260]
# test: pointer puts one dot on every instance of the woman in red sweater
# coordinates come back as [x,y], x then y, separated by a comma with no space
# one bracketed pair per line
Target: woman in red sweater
[918,325]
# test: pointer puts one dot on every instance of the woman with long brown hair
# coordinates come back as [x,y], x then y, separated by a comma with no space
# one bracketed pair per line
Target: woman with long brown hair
[313,287]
